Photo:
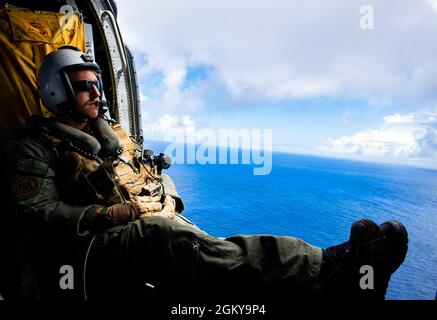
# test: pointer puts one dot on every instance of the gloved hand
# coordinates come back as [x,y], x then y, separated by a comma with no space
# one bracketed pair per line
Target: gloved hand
[122,213]
[147,205]
[169,208]
[169,205]
[152,206]
[101,218]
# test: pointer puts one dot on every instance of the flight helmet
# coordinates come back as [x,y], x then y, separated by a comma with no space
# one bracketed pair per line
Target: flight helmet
[54,85]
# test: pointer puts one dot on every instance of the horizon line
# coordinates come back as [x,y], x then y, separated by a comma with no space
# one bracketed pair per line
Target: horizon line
[337,156]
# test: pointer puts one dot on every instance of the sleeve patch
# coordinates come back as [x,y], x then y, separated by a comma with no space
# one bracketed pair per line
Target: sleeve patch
[25,188]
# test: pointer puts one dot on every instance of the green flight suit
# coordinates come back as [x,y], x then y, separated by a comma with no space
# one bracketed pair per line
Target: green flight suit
[148,255]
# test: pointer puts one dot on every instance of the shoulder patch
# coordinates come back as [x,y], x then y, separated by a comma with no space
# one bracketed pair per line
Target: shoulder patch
[25,187]
[30,166]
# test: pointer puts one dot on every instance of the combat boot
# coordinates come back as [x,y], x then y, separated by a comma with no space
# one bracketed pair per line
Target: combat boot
[361,268]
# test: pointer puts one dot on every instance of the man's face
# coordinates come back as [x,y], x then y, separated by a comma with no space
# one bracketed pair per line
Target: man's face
[87,100]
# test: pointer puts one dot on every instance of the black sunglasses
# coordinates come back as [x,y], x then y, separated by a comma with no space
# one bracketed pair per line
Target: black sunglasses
[85,85]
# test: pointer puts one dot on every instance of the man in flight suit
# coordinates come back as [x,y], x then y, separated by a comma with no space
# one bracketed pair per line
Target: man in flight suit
[127,244]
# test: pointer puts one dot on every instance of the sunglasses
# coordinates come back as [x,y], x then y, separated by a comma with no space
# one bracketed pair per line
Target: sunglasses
[85,85]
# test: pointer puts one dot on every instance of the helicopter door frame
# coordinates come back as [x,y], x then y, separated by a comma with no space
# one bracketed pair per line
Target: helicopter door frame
[126,107]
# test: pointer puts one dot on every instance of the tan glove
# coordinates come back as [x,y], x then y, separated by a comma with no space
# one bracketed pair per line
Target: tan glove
[101,218]
[151,206]
[169,208]
[148,205]
[169,205]
[123,213]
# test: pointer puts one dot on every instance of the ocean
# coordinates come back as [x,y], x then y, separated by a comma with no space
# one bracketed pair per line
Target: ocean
[317,199]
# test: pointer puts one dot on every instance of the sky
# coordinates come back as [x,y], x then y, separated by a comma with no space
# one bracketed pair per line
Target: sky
[352,79]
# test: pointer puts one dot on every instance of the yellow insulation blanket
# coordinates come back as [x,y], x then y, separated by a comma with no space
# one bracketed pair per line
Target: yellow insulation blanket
[26,37]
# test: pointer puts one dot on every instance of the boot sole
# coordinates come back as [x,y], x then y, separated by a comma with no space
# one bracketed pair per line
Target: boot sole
[358,231]
[391,246]
[398,235]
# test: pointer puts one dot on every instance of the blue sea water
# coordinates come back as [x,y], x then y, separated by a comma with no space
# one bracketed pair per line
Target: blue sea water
[317,199]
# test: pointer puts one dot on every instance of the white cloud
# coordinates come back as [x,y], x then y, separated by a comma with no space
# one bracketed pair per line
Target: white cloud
[411,136]
[167,126]
[399,119]
[287,49]
[173,99]
[433,4]
[175,78]
[143,98]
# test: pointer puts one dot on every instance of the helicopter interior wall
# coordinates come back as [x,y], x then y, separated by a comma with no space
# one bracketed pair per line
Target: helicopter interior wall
[101,53]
